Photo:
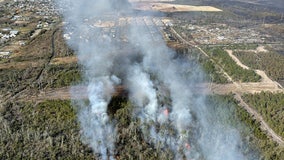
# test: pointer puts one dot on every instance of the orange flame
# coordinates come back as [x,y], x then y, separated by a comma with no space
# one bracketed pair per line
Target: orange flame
[187,146]
[166,112]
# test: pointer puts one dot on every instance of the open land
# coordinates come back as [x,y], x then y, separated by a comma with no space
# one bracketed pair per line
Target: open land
[166,7]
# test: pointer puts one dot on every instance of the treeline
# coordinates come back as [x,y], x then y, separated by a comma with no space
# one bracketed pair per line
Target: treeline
[222,58]
[271,108]
[256,142]
[272,63]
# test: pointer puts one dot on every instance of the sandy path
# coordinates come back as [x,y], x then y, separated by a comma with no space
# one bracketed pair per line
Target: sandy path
[230,52]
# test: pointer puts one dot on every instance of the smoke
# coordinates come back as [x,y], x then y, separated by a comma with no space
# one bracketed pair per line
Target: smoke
[115,46]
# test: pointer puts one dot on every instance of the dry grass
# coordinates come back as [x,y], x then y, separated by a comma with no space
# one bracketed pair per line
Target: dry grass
[166,7]
[21,65]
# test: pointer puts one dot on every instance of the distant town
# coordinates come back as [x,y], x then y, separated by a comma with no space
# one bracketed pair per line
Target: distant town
[22,20]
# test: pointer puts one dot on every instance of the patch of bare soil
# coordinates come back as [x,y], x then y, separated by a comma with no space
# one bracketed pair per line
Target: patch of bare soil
[76,92]
[241,88]
[261,49]
[64,60]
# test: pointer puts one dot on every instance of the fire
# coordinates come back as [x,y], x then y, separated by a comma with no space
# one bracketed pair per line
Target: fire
[187,146]
[166,112]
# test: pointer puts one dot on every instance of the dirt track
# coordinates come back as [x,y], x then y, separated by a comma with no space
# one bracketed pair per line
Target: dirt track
[230,52]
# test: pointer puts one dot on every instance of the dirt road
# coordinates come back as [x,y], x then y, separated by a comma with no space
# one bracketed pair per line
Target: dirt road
[230,52]
[263,125]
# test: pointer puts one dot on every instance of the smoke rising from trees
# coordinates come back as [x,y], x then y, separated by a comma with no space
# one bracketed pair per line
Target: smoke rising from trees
[151,72]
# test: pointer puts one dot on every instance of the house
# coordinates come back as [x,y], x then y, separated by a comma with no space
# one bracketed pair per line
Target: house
[5,36]
[15,32]
[22,43]
[21,23]
[6,30]
[5,54]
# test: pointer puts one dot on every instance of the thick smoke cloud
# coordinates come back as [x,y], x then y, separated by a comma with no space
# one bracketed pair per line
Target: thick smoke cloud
[152,73]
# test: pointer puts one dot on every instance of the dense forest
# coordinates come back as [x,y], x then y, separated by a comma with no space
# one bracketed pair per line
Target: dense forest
[271,108]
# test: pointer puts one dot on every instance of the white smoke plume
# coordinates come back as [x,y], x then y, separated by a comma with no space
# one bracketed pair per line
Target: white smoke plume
[150,71]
